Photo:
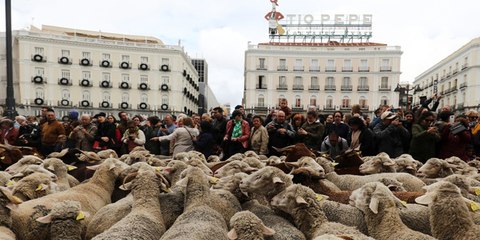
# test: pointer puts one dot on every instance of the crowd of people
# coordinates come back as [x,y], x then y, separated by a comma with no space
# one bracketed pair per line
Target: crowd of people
[424,132]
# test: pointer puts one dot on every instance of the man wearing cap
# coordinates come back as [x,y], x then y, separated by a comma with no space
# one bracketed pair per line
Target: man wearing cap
[390,135]
[50,131]
[105,135]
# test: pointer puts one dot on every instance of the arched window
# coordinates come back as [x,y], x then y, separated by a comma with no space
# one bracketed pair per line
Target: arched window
[125,97]
[144,98]
[363,102]
[345,102]
[65,94]
[106,96]
[313,101]
[164,99]
[39,93]
[329,102]
[261,100]
[298,101]
[86,95]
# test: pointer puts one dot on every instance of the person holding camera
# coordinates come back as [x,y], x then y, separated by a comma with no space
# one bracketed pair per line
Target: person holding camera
[280,133]
[83,135]
[455,139]
[390,135]
[132,137]
[425,136]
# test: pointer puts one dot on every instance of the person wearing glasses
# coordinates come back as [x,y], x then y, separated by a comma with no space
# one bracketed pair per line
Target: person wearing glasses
[425,137]
[390,134]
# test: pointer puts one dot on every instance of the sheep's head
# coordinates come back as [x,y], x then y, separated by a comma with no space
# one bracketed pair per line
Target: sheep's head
[435,167]
[174,166]
[406,163]
[433,190]
[307,165]
[34,169]
[232,184]
[374,197]
[475,163]
[233,167]
[393,184]
[462,182]
[327,165]
[23,163]
[266,180]
[111,165]
[33,186]
[247,222]
[294,197]
[107,153]
[55,165]
[213,158]
[143,177]
[66,210]
[196,154]
[195,162]
[272,160]
[254,162]
[135,157]
[251,153]
[377,164]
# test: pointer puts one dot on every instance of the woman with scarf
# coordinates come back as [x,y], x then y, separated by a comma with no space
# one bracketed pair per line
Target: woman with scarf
[237,134]
[132,137]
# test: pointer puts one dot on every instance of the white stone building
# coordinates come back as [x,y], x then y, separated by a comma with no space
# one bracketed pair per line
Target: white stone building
[95,71]
[323,76]
[456,78]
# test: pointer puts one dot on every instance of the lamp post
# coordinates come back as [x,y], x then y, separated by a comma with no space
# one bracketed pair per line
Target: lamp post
[10,111]
[405,90]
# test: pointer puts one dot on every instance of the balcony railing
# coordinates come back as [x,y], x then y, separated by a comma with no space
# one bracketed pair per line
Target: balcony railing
[384,88]
[297,107]
[282,87]
[345,107]
[282,68]
[260,106]
[455,71]
[464,66]
[143,106]
[463,85]
[298,68]
[314,69]
[330,88]
[64,102]
[347,69]
[330,69]
[261,86]
[346,88]
[385,68]
[460,106]
[363,69]
[364,107]
[297,87]
[328,107]
[261,67]
[314,87]
[363,88]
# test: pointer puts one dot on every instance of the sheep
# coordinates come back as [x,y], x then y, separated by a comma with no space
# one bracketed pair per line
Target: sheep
[465,184]
[435,167]
[272,160]
[195,162]
[268,181]
[173,171]
[145,220]
[406,163]
[461,166]
[23,163]
[135,157]
[64,220]
[379,207]
[308,166]
[64,180]
[156,162]
[295,152]
[416,217]
[233,167]
[4,178]
[449,215]
[33,169]
[89,157]
[251,153]
[342,213]
[475,163]
[92,196]
[301,204]
[213,159]
[198,221]
[247,226]
[107,153]
[7,202]
[254,162]
[378,164]
[35,185]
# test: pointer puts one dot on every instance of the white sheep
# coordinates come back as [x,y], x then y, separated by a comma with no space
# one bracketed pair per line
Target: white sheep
[302,204]
[35,185]
[436,168]
[64,221]
[233,167]
[254,162]
[268,181]
[382,217]
[449,215]
[23,163]
[246,226]
[406,163]
[378,164]
[7,202]
[60,169]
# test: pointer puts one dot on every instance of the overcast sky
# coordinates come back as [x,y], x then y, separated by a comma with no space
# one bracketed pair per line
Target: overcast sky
[219,30]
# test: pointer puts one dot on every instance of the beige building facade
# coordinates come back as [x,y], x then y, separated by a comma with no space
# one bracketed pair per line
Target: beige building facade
[323,76]
[456,78]
[94,71]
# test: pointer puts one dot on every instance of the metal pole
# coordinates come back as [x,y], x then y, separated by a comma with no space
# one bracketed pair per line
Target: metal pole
[10,100]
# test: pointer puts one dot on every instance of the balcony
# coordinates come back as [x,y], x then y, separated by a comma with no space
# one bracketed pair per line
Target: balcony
[330,69]
[464,66]
[297,87]
[330,87]
[455,71]
[261,86]
[463,85]
[363,69]
[64,103]
[124,85]
[385,68]
[347,69]
[65,82]
[298,68]
[383,88]
[314,87]
[85,104]
[105,104]
[314,69]
[143,66]
[345,107]
[282,68]
[65,60]
[328,107]
[39,58]
[260,106]
[143,86]
[282,87]
[346,88]
[363,88]
[364,107]
[105,84]
[125,65]
[85,83]
[297,108]
[39,79]
[164,87]
[143,106]
[261,67]
[85,62]
[124,105]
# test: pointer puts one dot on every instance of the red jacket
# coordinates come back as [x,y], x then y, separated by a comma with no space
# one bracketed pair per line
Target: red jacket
[245,132]
[454,145]
[10,135]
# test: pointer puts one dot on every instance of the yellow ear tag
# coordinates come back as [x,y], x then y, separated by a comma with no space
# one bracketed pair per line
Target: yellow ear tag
[334,164]
[403,203]
[318,197]
[39,188]
[10,183]
[158,169]
[70,168]
[477,191]
[213,180]
[168,190]
[474,206]
[2,157]
[80,216]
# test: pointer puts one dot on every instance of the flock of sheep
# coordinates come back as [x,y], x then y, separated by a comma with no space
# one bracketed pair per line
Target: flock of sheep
[140,196]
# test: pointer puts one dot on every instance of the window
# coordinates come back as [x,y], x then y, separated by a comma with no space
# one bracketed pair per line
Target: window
[106,77]
[363,63]
[384,83]
[261,82]
[298,65]
[65,53]
[39,93]
[298,81]
[330,63]
[106,96]
[313,101]
[384,101]
[347,65]
[314,66]
[261,62]
[86,95]
[314,81]
[362,102]
[65,94]
[144,59]
[298,101]
[143,79]
[329,102]
[282,64]
[165,79]
[282,81]
[165,61]
[39,50]
[125,97]
[106,56]
[345,102]
[330,81]
[363,82]
[125,58]
[346,82]
[66,74]
[125,78]
[39,71]
[144,98]
[385,62]
[86,55]
[164,99]
[86,75]
[261,101]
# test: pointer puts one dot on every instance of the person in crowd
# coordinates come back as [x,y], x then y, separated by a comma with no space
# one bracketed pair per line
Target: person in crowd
[390,135]
[122,125]
[70,123]
[9,133]
[18,121]
[280,133]
[111,119]
[356,111]
[242,110]
[32,120]
[118,134]
[29,133]
[105,136]
[455,143]
[334,145]
[50,131]
[196,121]
[83,135]
[425,136]
[259,136]
[236,136]
[360,137]
[219,126]
[270,117]
[151,130]
[346,118]
[133,137]
[407,123]
[43,115]
[204,142]
[474,125]
[183,137]
[139,121]
[338,126]
[298,120]
[311,131]
[368,120]
[207,117]
[284,107]
[376,117]
[435,99]
[166,128]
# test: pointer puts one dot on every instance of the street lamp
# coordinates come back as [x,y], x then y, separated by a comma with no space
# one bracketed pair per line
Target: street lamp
[405,92]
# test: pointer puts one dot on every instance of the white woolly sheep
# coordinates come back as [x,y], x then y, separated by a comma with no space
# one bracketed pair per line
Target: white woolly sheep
[301,204]
[449,215]
[35,185]
[233,167]
[60,169]
[268,181]
[246,226]
[33,169]
[23,163]
[307,165]
[436,168]
[107,153]
[406,163]
[196,162]
[381,214]
[7,202]
[251,153]
[64,220]
[254,162]
[378,164]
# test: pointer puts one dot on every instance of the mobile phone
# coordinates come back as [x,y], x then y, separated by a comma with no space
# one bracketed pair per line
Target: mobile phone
[451,119]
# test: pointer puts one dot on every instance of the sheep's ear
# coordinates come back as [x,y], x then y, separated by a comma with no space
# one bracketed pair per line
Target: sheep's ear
[426,199]
[373,205]
[277,180]
[94,167]
[267,231]
[400,203]
[111,165]
[41,187]
[18,175]
[45,219]
[232,234]
[8,193]
[126,186]
[301,201]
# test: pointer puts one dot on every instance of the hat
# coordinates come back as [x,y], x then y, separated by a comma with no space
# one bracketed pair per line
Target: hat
[388,115]
[73,115]
[101,114]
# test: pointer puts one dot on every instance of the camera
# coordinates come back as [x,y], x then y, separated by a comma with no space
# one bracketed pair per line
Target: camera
[457,128]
